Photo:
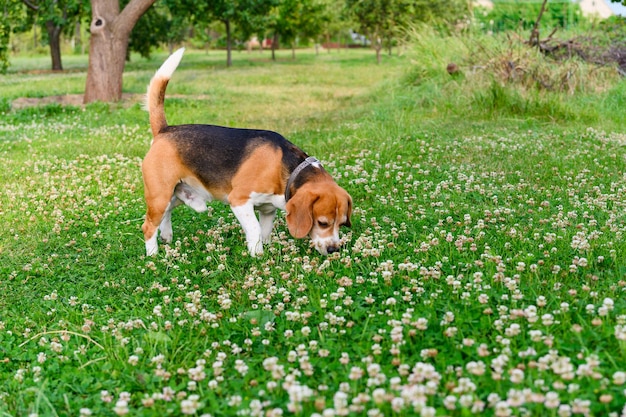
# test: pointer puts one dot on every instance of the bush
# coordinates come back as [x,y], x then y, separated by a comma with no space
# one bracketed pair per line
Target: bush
[500,74]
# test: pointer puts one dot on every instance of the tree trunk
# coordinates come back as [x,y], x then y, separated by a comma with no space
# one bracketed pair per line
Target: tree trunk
[110,31]
[293,50]
[274,42]
[78,39]
[54,37]
[377,44]
[229,58]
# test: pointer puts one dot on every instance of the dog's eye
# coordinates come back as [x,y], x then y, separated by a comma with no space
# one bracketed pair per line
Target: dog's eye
[322,224]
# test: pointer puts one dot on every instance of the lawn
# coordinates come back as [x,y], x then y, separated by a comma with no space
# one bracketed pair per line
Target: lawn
[484,271]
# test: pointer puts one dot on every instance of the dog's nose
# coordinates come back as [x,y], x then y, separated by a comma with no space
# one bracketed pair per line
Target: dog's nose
[332,249]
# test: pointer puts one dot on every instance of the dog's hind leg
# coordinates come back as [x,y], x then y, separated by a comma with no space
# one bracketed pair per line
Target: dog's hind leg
[154,216]
[165,227]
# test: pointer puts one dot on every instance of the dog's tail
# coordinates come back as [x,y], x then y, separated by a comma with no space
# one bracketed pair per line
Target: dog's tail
[155,97]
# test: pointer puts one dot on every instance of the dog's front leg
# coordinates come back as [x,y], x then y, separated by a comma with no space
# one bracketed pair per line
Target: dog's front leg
[266,220]
[251,227]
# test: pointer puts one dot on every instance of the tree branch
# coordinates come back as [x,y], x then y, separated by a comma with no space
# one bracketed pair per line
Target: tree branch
[30,5]
[131,13]
[534,34]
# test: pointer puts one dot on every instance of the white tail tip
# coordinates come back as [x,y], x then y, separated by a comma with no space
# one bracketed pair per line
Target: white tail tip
[171,63]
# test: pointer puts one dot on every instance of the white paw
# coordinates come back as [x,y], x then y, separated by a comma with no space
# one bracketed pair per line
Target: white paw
[167,236]
[151,246]
[255,249]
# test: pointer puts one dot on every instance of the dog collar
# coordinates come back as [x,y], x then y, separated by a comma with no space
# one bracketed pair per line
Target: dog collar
[307,162]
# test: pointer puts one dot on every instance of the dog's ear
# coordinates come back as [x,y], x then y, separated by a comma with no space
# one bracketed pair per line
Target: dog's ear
[348,223]
[300,213]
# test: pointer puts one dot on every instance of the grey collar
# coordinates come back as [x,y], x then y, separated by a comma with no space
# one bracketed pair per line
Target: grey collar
[307,162]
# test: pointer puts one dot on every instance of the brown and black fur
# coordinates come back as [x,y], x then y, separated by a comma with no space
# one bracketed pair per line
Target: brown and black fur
[196,163]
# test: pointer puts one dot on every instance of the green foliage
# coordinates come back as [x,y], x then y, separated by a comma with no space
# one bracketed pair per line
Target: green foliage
[62,14]
[522,15]
[11,17]
[155,27]
[383,21]
[5,30]
[292,19]
[613,28]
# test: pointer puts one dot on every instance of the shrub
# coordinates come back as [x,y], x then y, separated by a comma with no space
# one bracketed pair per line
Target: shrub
[501,73]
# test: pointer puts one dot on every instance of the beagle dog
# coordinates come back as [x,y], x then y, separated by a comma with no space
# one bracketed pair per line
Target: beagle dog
[248,169]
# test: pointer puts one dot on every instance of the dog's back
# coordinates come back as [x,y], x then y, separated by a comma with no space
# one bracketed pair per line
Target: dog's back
[214,149]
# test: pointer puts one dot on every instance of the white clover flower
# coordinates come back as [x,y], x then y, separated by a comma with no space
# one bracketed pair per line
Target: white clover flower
[421,323]
[515,398]
[397,404]
[105,396]
[513,330]
[564,410]
[379,395]
[19,375]
[190,405]
[619,378]
[502,409]
[620,332]
[552,400]
[56,347]
[547,319]
[476,368]
[450,331]
[517,376]
[356,373]
[235,400]
[241,367]
[449,402]
[340,403]
[121,408]
[581,406]
[493,399]
[428,412]
[466,400]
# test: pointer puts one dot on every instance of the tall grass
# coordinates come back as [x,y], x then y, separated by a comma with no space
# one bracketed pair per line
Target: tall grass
[500,76]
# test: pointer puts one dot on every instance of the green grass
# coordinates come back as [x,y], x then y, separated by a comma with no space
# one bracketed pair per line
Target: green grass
[484,271]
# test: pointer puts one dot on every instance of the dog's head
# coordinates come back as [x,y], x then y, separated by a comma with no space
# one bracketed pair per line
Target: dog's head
[319,209]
